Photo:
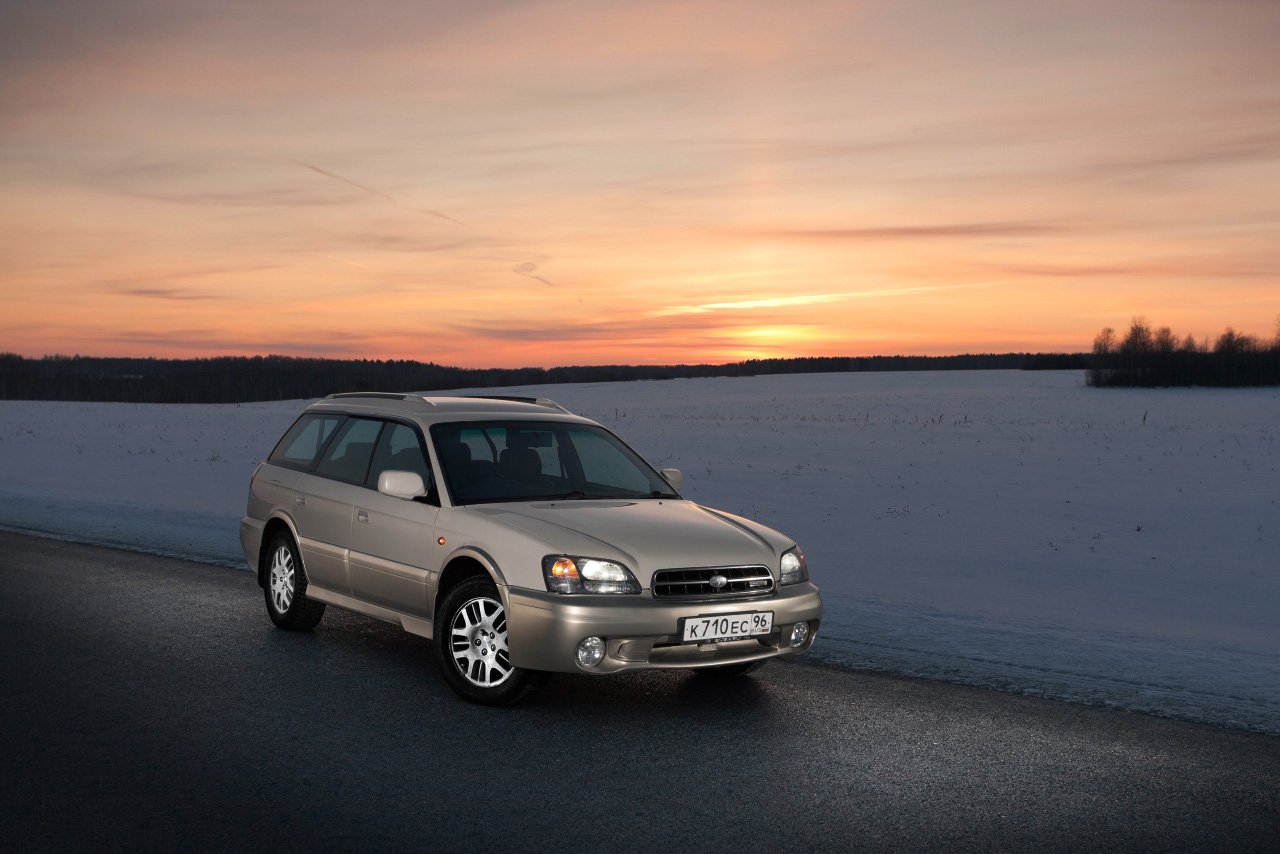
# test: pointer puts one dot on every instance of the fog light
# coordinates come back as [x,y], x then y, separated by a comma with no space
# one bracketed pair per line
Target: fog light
[799,634]
[591,651]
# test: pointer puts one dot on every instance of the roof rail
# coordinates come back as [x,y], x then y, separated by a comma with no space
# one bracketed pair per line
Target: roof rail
[379,395]
[537,401]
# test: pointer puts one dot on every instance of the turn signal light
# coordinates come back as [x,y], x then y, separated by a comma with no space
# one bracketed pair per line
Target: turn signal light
[564,569]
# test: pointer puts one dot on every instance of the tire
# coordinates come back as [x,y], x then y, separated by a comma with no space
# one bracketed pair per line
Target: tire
[286,587]
[731,671]
[471,646]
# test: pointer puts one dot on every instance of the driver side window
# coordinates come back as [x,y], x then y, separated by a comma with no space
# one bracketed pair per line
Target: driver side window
[399,449]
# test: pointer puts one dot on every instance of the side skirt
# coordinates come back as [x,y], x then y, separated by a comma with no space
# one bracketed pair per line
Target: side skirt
[412,625]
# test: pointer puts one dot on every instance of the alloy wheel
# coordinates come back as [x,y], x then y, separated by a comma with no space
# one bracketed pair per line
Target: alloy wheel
[282,579]
[478,642]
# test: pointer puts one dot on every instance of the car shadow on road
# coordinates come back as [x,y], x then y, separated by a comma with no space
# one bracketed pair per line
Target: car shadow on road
[643,696]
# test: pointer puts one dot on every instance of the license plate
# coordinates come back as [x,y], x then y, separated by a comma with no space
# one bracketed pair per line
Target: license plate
[723,627]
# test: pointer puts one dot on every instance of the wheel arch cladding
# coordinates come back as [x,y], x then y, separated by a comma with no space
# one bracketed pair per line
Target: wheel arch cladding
[458,570]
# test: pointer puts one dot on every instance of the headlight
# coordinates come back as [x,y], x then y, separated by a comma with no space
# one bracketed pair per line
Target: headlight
[565,574]
[794,568]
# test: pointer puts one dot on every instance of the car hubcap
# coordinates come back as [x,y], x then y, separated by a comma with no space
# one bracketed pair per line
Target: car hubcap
[282,579]
[478,640]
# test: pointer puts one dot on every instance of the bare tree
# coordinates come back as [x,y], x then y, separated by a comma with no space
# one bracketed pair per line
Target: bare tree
[1105,343]
[1235,342]
[1138,340]
[1144,358]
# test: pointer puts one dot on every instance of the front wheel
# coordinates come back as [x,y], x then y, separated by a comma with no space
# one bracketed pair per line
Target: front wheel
[471,645]
[286,588]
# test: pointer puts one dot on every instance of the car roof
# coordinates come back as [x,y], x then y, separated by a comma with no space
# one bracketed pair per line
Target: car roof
[437,408]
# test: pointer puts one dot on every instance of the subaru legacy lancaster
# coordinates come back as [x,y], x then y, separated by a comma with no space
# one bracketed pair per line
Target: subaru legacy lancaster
[521,538]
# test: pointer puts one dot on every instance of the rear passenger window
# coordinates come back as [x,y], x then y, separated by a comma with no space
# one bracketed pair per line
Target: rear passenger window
[305,440]
[348,457]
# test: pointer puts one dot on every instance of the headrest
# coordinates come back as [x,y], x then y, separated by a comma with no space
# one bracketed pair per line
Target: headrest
[454,455]
[521,463]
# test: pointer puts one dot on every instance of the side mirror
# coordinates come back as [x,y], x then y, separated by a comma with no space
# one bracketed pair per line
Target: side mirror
[674,477]
[402,484]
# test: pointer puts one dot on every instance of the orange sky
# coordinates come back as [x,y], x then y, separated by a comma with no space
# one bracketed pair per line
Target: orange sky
[550,183]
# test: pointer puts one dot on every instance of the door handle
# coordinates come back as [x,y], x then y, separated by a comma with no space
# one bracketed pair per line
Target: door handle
[362,516]
[300,499]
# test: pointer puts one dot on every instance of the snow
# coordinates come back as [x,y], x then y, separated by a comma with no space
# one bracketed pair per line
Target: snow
[1001,528]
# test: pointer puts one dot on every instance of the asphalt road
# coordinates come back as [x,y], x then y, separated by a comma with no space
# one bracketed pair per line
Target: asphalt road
[148,704]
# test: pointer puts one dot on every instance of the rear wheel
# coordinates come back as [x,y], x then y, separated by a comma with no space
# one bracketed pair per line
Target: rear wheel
[286,588]
[471,645]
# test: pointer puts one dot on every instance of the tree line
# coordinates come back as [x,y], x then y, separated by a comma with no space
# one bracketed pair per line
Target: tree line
[243,379]
[1157,357]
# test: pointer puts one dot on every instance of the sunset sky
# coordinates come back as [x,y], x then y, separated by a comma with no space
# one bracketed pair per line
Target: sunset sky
[553,183]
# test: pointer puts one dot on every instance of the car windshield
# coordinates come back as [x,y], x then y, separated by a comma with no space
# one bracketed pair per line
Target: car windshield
[490,461]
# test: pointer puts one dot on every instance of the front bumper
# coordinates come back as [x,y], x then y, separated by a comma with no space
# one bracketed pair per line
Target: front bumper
[643,633]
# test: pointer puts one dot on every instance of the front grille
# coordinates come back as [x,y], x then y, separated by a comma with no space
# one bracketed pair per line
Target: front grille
[696,583]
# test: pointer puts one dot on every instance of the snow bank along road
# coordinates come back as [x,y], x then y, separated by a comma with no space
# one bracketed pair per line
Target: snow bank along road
[150,705]
[1007,529]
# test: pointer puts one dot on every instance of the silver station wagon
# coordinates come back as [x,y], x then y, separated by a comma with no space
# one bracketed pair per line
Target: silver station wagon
[521,538]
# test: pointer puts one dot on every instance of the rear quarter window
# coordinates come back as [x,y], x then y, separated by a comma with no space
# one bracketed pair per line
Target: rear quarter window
[301,446]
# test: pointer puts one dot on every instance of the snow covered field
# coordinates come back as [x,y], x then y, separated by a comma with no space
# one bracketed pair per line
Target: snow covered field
[1009,529]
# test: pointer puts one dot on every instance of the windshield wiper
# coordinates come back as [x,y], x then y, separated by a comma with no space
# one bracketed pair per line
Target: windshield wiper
[575,495]
[579,495]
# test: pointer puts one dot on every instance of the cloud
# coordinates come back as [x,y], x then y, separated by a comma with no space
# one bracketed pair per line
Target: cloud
[767,302]
[166,293]
[606,330]
[379,194]
[266,197]
[346,261]
[214,180]
[530,269]
[915,232]
[409,243]
[1260,267]
[160,285]
[1221,152]
[803,299]
[328,342]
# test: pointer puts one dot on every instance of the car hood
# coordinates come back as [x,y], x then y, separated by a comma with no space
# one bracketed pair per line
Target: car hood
[647,535]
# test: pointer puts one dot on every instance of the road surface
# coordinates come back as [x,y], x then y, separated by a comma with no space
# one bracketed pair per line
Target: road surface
[149,704]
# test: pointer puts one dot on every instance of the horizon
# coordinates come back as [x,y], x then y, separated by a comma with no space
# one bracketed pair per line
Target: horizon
[564,183]
[801,357]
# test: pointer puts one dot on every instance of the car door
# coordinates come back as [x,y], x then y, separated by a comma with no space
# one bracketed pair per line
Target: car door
[392,557]
[323,505]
